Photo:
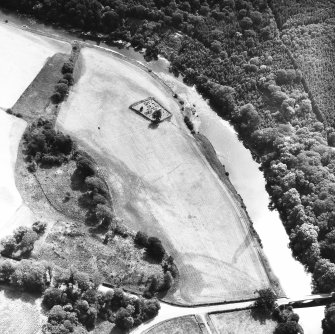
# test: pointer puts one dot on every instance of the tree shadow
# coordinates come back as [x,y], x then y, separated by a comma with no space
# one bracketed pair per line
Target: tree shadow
[260,315]
[78,181]
[117,330]
[25,297]
[147,258]
[153,125]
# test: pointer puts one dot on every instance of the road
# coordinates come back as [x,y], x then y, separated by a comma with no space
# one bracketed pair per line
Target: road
[168,312]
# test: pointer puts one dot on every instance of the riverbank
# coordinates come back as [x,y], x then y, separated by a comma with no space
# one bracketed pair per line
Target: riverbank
[14,212]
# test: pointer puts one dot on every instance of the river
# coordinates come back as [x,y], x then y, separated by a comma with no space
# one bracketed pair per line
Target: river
[244,174]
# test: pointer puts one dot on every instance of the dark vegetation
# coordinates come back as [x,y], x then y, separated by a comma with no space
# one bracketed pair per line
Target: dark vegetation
[45,146]
[328,323]
[266,307]
[73,299]
[21,244]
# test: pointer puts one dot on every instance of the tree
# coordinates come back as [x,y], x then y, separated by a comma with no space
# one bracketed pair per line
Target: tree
[266,302]
[216,46]
[28,241]
[39,227]
[62,89]
[157,115]
[167,281]
[9,246]
[67,67]
[29,276]
[141,239]
[96,184]
[69,78]
[281,77]
[222,97]
[85,166]
[289,327]
[324,276]
[256,17]
[52,296]
[150,309]
[328,323]
[104,214]
[249,118]
[246,23]
[123,319]
[155,248]
[177,18]
[6,270]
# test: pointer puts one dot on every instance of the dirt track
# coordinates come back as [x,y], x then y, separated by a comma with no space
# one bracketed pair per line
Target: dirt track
[162,184]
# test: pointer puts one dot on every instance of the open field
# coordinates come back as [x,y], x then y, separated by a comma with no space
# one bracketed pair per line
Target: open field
[21,60]
[13,212]
[182,325]
[20,313]
[161,183]
[240,322]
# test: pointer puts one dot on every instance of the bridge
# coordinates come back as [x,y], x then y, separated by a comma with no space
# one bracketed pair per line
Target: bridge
[168,312]
[308,301]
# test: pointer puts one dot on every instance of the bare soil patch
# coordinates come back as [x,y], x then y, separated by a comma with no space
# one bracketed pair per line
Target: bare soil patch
[161,182]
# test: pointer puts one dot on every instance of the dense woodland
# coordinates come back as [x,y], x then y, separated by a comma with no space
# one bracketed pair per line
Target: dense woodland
[262,69]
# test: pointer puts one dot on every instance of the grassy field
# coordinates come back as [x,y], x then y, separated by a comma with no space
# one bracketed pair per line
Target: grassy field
[20,313]
[161,183]
[21,60]
[182,325]
[240,322]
